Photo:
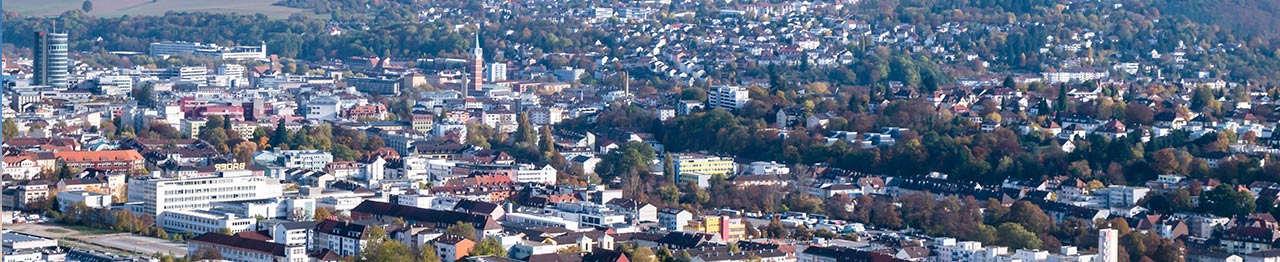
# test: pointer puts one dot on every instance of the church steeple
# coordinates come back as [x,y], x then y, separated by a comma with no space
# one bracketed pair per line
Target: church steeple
[477,60]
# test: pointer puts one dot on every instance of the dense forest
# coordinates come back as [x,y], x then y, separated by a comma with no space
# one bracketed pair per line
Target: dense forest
[1246,19]
[1236,46]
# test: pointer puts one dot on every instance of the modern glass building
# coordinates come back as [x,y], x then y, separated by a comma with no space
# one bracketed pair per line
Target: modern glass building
[49,67]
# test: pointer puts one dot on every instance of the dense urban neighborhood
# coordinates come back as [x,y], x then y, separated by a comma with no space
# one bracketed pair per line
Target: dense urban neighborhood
[646,131]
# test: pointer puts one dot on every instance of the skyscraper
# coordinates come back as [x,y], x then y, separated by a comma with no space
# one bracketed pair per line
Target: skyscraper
[477,65]
[1108,245]
[50,60]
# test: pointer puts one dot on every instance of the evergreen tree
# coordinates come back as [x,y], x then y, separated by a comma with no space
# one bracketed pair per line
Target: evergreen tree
[524,131]
[280,135]
[145,95]
[668,168]
[1061,105]
[546,144]
[928,83]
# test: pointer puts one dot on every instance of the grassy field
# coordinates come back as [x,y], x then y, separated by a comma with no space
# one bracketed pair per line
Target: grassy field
[116,8]
[83,230]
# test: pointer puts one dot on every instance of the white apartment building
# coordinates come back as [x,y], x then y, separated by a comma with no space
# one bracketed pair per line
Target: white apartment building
[1108,245]
[546,115]
[673,219]
[159,195]
[767,168]
[589,214]
[539,220]
[414,168]
[295,209]
[528,173]
[67,199]
[728,97]
[415,200]
[948,250]
[345,238]
[1079,75]
[500,120]
[114,85]
[497,72]
[192,126]
[1124,196]
[323,108]
[209,50]
[201,221]
[315,160]
[187,74]
[446,126]
[292,234]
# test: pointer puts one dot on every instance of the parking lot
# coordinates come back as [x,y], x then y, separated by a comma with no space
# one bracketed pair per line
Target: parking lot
[102,240]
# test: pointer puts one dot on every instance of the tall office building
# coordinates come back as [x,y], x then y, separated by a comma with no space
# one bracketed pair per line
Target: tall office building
[50,60]
[477,65]
[158,194]
[1108,245]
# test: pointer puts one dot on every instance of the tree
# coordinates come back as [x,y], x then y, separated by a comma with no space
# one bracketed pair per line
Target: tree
[1138,113]
[801,232]
[87,6]
[280,135]
[632,158]
[322,214]
[1030,217]
[885,214]
[984,233]
[476,135]
[206,253]
[775,229]
[428,254]
[145,95]
[668,168]
[462,229]
[1203,100]
[1061,104]
[927,83]
[1014,236]
[1166,161]
[244,151]
[1134,242]
[10,129]
[376,233]
[524,131]
[381,249]
[65,172]
[488,247]
[1225,201]
[546,144]
[1009,83]
[642,254]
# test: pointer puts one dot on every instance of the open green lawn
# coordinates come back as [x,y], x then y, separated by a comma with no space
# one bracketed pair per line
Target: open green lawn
[84,230]
[116,8]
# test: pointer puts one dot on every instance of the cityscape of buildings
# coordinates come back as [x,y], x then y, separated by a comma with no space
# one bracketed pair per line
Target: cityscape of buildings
[649,150]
